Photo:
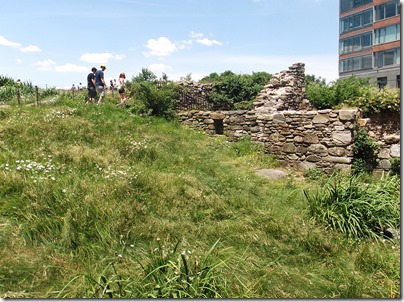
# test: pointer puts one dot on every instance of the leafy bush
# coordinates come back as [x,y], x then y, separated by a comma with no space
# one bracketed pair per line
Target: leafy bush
[321,95]
[364,157]
[155,96]
[356,209]
[329,96]
[352,91]
[157,100]
[236,91]
[349,88]
[373,100]
[395,166]
[144,76]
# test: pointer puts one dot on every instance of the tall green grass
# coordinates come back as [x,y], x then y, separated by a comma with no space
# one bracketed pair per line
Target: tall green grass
[94,199]
[355,208]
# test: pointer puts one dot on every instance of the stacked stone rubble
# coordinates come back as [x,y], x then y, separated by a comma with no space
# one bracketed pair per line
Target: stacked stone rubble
[196,90]
[285,91]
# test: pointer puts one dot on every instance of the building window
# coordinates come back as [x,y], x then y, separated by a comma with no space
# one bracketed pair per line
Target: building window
[387,57]
[387,34]
[387,10]
[356,43]
[355,64]
[356,21]
[381,82]
[346,5]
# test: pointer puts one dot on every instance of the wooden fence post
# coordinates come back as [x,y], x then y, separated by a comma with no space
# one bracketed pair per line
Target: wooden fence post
[36,95]
[18,96]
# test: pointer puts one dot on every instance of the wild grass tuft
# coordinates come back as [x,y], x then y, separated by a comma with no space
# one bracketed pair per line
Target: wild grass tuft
[355,208]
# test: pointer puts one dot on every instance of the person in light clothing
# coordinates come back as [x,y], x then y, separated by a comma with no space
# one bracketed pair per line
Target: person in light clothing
[121,87]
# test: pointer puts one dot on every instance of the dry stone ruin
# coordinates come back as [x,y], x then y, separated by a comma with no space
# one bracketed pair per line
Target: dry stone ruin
[285,122]
[285,91]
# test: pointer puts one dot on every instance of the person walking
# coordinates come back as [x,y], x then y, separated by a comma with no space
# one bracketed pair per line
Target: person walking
[92,93]
[100,82]
[121,87]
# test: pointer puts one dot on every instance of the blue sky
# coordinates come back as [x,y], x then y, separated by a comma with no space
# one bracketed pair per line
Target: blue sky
[55,43]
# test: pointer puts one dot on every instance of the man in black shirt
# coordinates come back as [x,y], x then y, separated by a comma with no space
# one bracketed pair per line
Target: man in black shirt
[92,93]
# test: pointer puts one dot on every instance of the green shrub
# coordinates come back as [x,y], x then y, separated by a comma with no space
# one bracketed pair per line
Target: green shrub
[396,166]
[349,88]
[236,91]
[357,209]
[321,95]
[157,100]
[373,100]
[336,93]
[364,157]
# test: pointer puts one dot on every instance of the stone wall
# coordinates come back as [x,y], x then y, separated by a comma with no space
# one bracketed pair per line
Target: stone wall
[302,138]
[384,128]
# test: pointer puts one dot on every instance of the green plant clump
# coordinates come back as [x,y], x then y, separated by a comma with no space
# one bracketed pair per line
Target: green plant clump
[236,91]
[353,91]
[357,209]
[364,157]
[396,166]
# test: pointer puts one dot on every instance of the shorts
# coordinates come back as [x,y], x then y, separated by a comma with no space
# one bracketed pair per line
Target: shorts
[121,90]
[92,93]
[100,90]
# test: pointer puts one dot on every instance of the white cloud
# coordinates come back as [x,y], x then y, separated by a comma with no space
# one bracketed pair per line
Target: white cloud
[49,65]
[100,58]
[162,47]
[70,68]
[208,42]
[200,38]
[19,61]
[194,35]
[158,68]
[45,65]
[5,42]
[30,48]
[8,43]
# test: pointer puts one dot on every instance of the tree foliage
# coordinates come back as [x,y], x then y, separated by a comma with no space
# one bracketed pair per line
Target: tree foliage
[236,90]
[352,91]
[157,97]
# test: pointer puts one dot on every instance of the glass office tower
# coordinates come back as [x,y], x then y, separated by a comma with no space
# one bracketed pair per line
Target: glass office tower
[369,40]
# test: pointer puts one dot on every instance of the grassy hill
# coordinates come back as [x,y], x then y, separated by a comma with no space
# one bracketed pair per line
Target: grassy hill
[97,202]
